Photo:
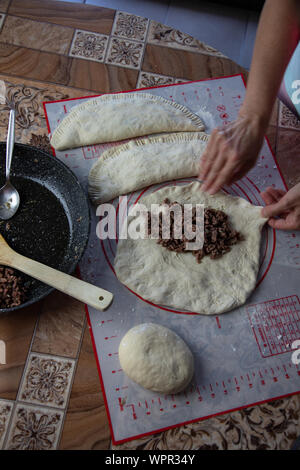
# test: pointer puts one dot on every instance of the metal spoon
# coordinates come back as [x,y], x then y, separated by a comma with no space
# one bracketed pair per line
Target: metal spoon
[9,196]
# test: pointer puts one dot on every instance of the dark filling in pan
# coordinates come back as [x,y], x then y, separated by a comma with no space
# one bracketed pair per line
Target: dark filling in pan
[39,230]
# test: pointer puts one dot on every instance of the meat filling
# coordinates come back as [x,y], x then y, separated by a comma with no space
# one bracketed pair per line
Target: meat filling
[12,289]
[219,236]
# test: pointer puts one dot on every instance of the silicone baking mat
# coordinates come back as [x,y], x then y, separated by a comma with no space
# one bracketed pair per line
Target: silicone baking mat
[242,357]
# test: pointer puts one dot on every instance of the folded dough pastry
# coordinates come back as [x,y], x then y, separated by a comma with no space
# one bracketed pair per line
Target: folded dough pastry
[143,162]
[175,279]
[114,117]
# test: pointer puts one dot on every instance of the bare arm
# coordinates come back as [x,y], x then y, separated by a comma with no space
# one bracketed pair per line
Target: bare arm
[276,39]
[232,152]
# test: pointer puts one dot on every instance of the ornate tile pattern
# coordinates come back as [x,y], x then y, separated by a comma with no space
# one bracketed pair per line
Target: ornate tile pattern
[88,45]
[162,35]
[130,26]
[31,125]
[270,426]
[47,380]
[147,79]
[125,53]
[287,118]
[5,414]
[34,428]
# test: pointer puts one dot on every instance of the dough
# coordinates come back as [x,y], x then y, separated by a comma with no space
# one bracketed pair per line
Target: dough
[143,162]
[156,358]
[175,279]
[114,117]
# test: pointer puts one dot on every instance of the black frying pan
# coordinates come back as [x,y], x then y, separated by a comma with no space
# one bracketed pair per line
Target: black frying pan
[53,221]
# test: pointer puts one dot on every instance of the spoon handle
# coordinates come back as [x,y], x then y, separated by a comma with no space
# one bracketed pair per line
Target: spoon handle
[80,290]
[10,142]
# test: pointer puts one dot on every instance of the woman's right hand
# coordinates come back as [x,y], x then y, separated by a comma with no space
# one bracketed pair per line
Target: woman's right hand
[231,152]
[282,208]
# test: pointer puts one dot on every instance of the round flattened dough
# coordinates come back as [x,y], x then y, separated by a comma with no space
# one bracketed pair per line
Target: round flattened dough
[156,358]
[176,279]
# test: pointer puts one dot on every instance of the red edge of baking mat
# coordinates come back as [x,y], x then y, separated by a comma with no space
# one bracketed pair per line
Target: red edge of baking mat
[88,316]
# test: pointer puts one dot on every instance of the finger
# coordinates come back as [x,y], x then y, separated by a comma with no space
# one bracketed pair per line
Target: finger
[276,209]
[267,198]
[277,194]
[282,192]
[283,224]
[209,155]
[224,176]
[203,167]
[214,171]
[206,163]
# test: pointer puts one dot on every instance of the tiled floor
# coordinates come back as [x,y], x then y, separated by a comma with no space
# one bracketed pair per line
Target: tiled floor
[230,30]
[50,393]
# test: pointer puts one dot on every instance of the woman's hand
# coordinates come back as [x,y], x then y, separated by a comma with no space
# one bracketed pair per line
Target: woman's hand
[231,152]
[282,204]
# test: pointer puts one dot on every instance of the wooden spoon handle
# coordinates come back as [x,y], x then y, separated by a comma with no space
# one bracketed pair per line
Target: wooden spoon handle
[87,293]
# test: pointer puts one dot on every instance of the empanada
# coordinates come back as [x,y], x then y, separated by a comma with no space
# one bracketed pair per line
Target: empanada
[120,116]
[140,163]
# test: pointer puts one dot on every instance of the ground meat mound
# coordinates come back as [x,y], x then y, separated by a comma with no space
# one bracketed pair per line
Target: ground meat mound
[12,289]
[219,236]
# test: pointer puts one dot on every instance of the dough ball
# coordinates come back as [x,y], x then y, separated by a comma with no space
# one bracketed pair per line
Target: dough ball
[156,358]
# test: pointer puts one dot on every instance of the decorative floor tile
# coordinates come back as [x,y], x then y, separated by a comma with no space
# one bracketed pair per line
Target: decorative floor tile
[42,36]
[62,318]
[47,380]
[162,35]
[287,118]
[88,45]
[4,5]
[86,424]
[287,151]
[76,15]
[5,414]
[179,63]
[130,26]
[124,53]
[2,18]
[153,79]
[34,428]
[17,328]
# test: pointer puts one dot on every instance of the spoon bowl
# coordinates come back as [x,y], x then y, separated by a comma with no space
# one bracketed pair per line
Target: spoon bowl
[9,201]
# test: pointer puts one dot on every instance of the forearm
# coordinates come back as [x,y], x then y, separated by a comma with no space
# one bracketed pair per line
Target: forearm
[276,39]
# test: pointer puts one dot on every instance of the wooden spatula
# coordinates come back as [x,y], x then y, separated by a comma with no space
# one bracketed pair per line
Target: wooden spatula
[87,293]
